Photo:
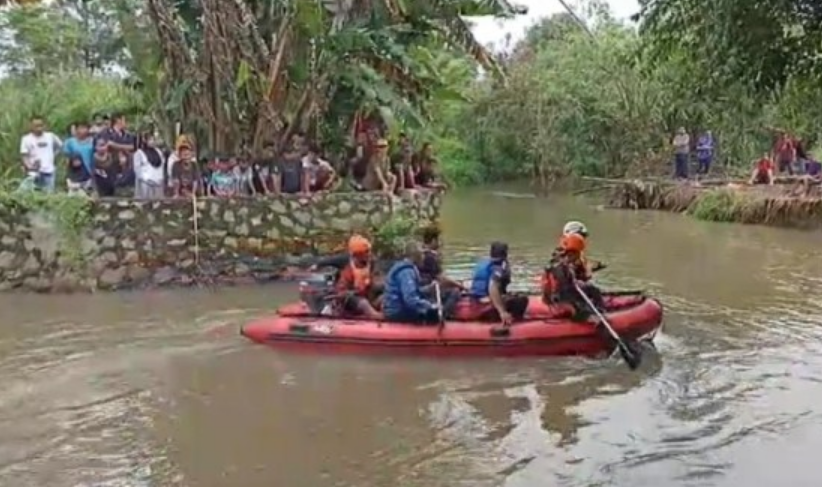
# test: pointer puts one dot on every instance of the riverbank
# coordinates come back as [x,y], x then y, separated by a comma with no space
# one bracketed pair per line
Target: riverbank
[789,203]
[60,243]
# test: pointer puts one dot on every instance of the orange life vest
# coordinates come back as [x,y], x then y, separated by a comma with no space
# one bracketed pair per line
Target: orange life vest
[361,277]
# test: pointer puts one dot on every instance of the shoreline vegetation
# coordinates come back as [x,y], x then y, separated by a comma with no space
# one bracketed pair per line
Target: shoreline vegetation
[789,202]
[562,102]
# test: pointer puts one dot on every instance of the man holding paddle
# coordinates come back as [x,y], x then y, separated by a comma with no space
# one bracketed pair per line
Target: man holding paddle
[562,277]
[562,284]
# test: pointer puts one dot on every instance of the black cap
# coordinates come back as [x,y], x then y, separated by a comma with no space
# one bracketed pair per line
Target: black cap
[499,250]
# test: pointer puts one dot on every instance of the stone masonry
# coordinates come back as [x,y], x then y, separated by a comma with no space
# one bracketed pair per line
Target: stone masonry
[132,243]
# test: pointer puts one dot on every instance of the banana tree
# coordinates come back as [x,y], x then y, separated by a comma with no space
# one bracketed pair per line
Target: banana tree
[256,70]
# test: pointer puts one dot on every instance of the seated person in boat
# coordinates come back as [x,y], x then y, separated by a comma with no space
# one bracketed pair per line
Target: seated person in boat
[763,171]
[431,267]
[563,276]
[355,286]
[339,260]
[431,272]
[404,300]
[489,287]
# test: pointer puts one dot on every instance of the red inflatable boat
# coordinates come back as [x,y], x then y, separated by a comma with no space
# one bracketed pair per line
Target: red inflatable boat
[635,317]
[468,311]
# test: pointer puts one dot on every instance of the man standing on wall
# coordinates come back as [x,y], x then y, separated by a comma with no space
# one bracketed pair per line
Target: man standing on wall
[784,152]
[39,149]
[682,151]
[117,137]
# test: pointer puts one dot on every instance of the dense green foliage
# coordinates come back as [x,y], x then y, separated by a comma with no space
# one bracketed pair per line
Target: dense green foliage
[249,73]
[582,104]
[602,101]
[763,43]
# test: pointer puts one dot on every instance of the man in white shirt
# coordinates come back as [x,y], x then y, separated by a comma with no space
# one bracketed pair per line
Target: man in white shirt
[39,149]
[321,174]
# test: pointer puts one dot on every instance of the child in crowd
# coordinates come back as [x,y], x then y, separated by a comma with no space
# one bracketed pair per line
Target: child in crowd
[105,170]
[223,182]
[265,168]
[248,180]
[186,179]
[78,178]
[321,174]
[124,180]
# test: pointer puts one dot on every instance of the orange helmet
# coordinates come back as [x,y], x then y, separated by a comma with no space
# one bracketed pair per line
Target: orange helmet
[358,245]
[573,242]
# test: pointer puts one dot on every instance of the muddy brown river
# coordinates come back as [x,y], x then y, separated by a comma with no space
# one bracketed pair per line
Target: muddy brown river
[157,388]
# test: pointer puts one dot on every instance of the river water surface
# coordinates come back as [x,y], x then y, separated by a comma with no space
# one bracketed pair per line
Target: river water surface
[157,388]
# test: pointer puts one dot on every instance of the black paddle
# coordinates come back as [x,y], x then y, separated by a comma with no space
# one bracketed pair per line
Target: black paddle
[632,357]
[440,314]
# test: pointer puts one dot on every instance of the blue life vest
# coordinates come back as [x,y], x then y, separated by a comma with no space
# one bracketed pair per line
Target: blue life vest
[483,272]
[392,301]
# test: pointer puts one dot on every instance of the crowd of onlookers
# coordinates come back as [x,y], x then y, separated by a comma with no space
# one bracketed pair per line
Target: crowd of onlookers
[789,156]
[105,159]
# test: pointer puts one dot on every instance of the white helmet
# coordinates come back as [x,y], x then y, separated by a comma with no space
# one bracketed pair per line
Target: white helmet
[575,227]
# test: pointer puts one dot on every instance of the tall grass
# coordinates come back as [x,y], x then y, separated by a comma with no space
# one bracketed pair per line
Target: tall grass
[60,100]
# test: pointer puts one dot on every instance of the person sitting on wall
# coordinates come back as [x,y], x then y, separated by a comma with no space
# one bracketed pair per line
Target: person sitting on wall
[357,162]
[763,172]
[186,180]
[404,300]
[489,286]
[424,169]
[78,178]
[813,168]
[291,176]
[378,176]
[223,181]
[321,174]
[401,161]
[812,177]
[105,170]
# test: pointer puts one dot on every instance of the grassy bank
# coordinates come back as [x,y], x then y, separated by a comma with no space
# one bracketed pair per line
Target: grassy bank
[777,205]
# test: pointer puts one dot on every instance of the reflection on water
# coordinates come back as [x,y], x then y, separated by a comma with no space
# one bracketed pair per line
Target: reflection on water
[157,389]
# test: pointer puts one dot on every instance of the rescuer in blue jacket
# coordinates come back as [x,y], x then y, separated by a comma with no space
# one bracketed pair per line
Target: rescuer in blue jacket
[404,298]
[489,287]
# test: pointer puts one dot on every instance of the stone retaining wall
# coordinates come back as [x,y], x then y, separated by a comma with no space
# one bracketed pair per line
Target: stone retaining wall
[131,243]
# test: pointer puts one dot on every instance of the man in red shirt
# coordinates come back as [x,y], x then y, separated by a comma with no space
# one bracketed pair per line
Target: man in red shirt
[784,153]
[763,171]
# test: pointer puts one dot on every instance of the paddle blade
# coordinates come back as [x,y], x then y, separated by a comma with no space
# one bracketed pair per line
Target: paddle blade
[632,355]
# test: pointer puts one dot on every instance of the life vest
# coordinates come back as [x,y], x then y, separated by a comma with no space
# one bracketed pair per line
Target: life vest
[483,272]
[557,283]
[393,303]
[357,279]
[360,277]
